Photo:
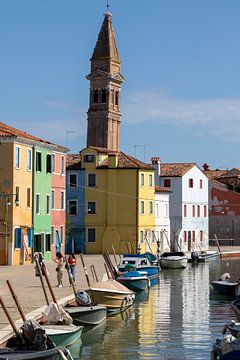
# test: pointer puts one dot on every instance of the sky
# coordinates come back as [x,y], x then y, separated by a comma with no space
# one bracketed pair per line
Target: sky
[180,59]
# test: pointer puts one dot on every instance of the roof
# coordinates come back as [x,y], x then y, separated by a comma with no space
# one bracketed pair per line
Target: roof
[98,149]
[175,169]
[73,161]
[214,174]
[11,132]
[126,162]
[106,46]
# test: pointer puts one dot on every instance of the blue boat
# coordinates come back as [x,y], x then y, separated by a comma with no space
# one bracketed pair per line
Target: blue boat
[140,263]
[134,280]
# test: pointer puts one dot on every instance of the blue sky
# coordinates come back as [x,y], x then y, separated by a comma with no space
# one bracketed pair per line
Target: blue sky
[181,61]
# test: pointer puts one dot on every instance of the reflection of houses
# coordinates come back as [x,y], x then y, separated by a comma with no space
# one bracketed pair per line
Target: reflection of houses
[26,195]
[224,204]
[188,204]
[75,189]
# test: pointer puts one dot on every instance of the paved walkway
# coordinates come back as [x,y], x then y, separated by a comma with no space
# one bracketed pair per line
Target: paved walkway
[29,291]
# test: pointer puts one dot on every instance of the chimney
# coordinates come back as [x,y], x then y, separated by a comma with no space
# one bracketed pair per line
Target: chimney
[113,159]
[206,167]
[156,163]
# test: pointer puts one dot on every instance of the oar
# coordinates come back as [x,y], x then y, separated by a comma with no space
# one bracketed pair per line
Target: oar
[18,334]
[41,279]
[48,283]
[14,296]
[87,278]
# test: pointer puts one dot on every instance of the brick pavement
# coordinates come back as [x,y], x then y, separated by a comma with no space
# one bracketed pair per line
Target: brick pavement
[28,287]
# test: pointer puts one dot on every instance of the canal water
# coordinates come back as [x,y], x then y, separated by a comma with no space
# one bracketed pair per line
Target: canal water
[179,318]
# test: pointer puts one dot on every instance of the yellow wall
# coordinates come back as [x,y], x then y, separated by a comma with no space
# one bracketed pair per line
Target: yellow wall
[10,177]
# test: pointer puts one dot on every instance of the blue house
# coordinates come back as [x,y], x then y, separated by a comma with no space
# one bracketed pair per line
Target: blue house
[75,209]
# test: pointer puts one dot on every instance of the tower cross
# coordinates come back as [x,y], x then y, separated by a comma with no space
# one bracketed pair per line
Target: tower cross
[108,5]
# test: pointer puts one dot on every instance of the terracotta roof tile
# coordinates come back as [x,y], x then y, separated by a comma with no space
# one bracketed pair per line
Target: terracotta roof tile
[127,162]
[175,169]
[162,189]
[214,174]
[73,161]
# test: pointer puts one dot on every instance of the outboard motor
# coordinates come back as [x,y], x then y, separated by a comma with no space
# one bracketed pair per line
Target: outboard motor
[83,298]
[194,255]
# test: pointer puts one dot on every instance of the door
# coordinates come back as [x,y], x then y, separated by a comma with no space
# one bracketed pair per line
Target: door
[189,241]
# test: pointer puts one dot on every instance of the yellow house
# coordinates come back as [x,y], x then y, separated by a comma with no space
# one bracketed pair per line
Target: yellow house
[15,196]
[119,202]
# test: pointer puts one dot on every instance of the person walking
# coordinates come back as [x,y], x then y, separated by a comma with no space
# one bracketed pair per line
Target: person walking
[72,267]
[59,261]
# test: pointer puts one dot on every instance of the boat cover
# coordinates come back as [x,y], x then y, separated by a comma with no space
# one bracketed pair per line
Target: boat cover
[55,314]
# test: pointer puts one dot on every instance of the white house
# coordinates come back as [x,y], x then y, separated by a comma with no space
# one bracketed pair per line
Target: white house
[162,220]
[188,206]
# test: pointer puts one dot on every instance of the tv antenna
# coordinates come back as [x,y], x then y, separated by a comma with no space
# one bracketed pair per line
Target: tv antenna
[108,5]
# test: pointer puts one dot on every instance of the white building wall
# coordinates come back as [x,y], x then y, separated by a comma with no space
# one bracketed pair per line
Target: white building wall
[162,220]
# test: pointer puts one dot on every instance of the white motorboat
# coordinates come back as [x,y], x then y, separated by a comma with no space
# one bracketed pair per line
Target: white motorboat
[173,260]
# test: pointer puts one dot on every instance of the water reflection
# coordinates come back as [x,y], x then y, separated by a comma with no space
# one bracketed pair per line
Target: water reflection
[175,319]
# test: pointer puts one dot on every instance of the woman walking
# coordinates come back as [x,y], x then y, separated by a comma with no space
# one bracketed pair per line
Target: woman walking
[72,267]
[59,261]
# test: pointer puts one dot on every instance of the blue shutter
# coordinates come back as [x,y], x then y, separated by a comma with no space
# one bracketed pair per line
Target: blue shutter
[18,238]
[30,238]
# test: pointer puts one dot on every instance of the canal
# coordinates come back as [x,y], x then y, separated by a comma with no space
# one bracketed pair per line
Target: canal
[179,318]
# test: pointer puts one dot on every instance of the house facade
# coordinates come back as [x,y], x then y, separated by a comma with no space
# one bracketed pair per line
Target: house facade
[188,205]
[162,218]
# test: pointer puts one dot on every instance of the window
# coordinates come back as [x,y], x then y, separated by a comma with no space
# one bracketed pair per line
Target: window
[157,210]
[198,210]
[91,207]
[62,165]
[48,205]
[185,236]
[92,235]
[52,234]
[49,164]
[104,96]
[193,236]
[117,98]
[72,180]
[167,183]
[142,207]
[150,207]
[201,235]
[72,207]
[53,199]
[53,162]
[28,197]
[48,242]
[17,157]
[201,184]
[150,180]
[91,180]
[153,236]
[61,234]
[95,96]
[205,211]
[193,210]
[37,203]
[17,197]
[89,158]
[190,183]
[62,200]
[185,210]
[38,161]
[29,160]
[141,236]
[142,179]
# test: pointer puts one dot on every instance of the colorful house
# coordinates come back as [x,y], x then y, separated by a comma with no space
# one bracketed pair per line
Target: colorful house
[25,195]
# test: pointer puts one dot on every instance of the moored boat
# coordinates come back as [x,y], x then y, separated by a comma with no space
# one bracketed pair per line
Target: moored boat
[173,260]
[236,307]
[63,335]
[134,280]
[57,353]
[226,287]
[139,263]
[204,256]
[86,315]
[228,347]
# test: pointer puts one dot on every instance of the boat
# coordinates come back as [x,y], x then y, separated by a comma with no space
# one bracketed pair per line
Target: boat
[57,353]
[139,262]
[63,335]
[228,347]
[112,294]
[173,260]
[224,285]
[86,315]
[134,280]
[204,256]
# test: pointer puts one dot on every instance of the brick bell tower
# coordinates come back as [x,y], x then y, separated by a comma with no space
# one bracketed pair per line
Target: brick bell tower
[104,115]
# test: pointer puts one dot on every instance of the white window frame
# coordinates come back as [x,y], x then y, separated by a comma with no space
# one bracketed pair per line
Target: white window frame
[53,200]
[150,184]
[18,157]
[151,207]
[62,200]
[90,174]
[76,207]
[53,162]
[142,180]
[62,165]
[69,182]
[91,213]
[38,207]
[61,234]
[29,160]
[142,207]
[48,204]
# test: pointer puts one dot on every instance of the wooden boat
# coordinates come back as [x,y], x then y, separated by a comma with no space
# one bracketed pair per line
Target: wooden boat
[63,335]
[228,348]
[139,263]
[111,294]
[86,315]
[173,260]
[224,285]
[134,280]
[57,353]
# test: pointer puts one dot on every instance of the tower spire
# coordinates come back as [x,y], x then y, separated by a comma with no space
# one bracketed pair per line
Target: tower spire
[104,115]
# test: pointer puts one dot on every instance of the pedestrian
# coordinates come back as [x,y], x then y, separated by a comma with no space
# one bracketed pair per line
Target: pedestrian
[72,267]
[59,261]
